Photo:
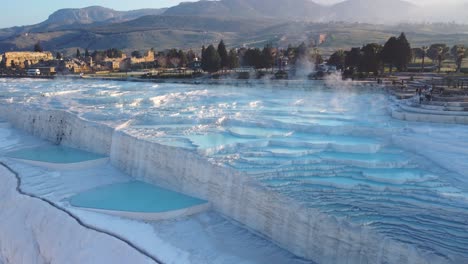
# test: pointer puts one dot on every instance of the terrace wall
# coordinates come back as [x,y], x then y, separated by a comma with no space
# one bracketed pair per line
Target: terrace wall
[303,231]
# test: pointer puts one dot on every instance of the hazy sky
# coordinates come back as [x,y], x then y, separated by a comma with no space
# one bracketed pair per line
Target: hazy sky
[28,12]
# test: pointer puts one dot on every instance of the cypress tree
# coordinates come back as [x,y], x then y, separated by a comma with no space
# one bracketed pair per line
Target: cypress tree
[223,54]
[78,53]
[353,58]
[389,52]
[211,61]
[203,58]
[233,59]
[267,57]
[403,52]
[38,47]
[183,58]
[337,59]
[370,60]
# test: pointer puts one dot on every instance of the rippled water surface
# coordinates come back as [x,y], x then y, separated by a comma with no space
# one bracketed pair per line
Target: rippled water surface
[334,149]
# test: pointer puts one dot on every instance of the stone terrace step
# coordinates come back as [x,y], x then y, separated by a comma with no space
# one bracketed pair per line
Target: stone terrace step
[414,109]
[443,108]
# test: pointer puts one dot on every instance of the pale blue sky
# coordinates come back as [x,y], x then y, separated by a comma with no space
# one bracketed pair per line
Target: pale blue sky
[28,12]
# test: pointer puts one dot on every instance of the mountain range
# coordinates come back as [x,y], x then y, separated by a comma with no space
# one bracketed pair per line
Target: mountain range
[240,22]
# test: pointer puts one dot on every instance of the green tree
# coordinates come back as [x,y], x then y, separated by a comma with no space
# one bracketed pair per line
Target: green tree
[211,61]
[223,54]
[86,54]
[291,53]
[337,59]
[403,52]
[416,53]
[353,58]
[233,59]
[301,53]
[136,54]
[253,58]
[58,56]
[389,52]
[191,56]
[424,50]
[438,52]
[113,53]
[267,60]
[38,47]
[98,55]
[78,53]
[183,58]
[459,52]
[317,57]
[370,58]
[203,57]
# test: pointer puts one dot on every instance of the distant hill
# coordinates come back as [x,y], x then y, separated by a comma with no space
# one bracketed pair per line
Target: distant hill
[278,9]
[79,18]
[93,14]
[372,11]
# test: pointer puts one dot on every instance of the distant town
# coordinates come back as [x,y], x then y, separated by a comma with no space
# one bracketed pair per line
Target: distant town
[296,61]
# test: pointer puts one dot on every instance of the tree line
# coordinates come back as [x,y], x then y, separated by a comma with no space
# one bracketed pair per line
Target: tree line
[396,53]
[440,52]
[215,59]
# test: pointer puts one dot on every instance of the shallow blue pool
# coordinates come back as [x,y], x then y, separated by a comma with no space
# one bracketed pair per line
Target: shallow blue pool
[55,154]
[134,196]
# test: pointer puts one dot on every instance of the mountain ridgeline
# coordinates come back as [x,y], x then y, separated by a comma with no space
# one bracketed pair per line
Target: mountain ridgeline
[93,14]
[239,22]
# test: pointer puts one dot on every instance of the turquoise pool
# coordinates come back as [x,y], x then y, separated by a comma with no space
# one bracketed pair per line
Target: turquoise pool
[54,154]
[134,196]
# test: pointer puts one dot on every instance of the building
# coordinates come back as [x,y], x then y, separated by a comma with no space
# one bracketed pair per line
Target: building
[77,66]
[196,65]
[149,57]
[24,59]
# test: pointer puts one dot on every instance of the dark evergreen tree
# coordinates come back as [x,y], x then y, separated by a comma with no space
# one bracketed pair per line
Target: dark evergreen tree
[253,58]
[337,59]
[353,58]
[78,53]
[136,54]
[300,53]
[370,58]
[38,47]
[223,54]
[58,56]
[211,61]
[403,52]
[86,54]
[389,53]
[233,59]
[203,58]
[268,60]
[183,58]
[191,56]
[114,53]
